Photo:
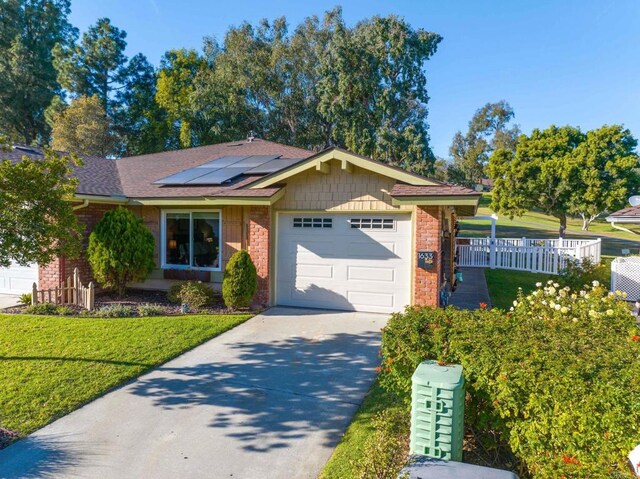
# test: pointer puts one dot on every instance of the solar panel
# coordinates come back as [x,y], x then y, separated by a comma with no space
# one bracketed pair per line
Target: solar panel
[184,176]
[217,177]
[223,162]
[272,166]
[256,160]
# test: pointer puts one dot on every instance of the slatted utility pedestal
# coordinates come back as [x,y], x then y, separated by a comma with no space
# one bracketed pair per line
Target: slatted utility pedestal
[437,411]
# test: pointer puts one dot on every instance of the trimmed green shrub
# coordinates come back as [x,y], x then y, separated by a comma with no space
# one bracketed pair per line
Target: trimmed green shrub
[47,309]
[385,450]
[65,311]
[556,377]
[580,273]
[240,281]
[195,293]
[114,311]
[150,310]
[120,250]
[25,298]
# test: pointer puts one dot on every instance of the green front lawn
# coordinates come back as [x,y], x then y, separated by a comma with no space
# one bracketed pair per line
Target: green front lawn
[51,365]
[503,285]
[342,463]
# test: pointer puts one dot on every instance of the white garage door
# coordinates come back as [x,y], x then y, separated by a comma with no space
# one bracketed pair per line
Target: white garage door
[18,279]
[353,262]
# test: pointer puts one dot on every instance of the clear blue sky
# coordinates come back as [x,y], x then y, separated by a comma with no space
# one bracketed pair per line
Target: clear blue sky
[563,62]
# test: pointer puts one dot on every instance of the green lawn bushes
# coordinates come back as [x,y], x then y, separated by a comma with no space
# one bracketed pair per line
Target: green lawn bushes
[556,378]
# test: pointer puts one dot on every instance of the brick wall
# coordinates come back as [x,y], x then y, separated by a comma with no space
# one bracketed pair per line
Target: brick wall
[258,245]
[51,275]
[427,281]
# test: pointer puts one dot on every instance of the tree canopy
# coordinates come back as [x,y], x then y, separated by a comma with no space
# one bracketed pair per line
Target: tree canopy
[563,171]
[83,128]
[488,131]
[37,223]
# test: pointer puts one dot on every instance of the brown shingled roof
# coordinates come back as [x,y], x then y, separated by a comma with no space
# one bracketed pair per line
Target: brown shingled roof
[401,189]
[630,212]
[138,173]
[98,176]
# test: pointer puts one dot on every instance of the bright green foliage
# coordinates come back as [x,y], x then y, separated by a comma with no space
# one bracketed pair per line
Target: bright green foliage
[175,86]
[488,131]
[150,310]
[385,450]
[562,171]
[113,311]
[42,308]
[195,293]
[577,274]
[37,223]
[555,377]
[83,128]
[25,298]
[120,250]
[240,281]
[607,172]
[53,365]
[30,30]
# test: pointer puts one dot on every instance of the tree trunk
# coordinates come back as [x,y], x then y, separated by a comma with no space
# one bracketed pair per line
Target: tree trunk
[585,222]
[563,224]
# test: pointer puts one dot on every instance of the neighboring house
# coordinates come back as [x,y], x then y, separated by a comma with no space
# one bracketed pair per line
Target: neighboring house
[325,230]
[628,217]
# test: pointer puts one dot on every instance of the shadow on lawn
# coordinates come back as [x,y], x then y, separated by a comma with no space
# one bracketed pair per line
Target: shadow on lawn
[268,394]
[49,456]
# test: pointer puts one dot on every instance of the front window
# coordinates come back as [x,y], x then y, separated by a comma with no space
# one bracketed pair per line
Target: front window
[192,240]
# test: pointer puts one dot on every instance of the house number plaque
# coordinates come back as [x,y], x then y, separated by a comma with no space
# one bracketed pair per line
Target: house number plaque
[426,259]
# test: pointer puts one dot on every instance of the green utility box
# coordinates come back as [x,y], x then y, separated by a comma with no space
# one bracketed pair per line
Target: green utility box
[437,411]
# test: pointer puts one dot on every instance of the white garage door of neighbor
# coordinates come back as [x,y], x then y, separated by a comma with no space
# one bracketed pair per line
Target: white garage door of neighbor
[18,279]
[356,262]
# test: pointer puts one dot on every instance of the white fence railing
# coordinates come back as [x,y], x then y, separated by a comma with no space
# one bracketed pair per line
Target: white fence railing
[525,254]
[625,276]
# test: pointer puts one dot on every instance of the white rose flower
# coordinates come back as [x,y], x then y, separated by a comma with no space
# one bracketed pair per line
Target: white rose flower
[538,284]
[557,307]
[595,283]
[564,310]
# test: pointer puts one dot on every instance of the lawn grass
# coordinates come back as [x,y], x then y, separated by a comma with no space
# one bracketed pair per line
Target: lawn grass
[51,365]
[503,285]
[535,224]
[350,449]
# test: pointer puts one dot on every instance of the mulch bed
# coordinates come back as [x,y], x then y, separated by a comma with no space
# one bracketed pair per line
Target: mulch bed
[136,297]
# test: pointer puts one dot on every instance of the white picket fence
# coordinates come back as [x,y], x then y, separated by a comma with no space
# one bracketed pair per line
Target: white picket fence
[625,276]
[525,254]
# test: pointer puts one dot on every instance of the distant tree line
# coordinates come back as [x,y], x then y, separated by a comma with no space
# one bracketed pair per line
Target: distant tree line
[322,83]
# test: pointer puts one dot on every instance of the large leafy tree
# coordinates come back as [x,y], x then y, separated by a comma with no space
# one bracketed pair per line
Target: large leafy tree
[540,174]
[29,31]
[37,223]
[96,66]
[563,171]
[488,130]
[606,171]
[374,89]
[83,128]
[175,88]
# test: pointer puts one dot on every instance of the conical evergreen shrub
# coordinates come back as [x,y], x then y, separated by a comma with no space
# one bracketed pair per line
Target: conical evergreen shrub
[240,281]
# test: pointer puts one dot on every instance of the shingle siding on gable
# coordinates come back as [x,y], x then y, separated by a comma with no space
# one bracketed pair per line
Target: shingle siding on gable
[338,191]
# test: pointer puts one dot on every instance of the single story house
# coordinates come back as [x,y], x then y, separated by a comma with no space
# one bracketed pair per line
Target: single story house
[327,229]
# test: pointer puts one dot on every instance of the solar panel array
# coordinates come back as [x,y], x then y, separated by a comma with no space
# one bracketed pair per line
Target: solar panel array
[224,169]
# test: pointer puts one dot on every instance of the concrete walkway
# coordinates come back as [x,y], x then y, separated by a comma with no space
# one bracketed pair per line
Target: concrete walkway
[472,291]
[268,399]
[9,300]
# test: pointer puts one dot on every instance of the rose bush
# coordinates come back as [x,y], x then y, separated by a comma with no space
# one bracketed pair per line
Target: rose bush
[556,377]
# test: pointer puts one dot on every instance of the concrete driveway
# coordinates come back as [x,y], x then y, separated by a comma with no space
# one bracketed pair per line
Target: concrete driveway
[268,399]
[8,300]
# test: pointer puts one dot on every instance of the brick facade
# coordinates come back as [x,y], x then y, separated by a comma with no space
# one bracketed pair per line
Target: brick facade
[51,275]
[259,238]
[427,283]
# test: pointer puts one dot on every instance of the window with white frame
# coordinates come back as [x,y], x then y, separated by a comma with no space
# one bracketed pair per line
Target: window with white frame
[191,239]
[372,223]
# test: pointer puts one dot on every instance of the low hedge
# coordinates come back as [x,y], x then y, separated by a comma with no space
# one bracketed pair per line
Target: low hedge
[556,377]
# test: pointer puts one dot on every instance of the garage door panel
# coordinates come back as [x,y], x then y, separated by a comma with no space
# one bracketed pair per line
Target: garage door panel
[314,271]
[18,279]
[343,267]
[365,299]
[369,273]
